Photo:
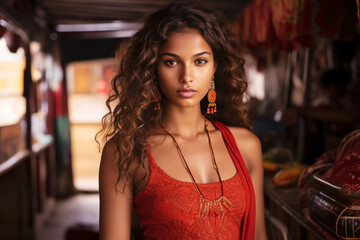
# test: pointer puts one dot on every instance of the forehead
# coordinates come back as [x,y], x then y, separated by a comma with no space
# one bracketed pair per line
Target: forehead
[190,41]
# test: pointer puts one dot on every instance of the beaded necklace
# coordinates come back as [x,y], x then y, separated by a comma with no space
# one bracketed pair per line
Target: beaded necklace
[206,207]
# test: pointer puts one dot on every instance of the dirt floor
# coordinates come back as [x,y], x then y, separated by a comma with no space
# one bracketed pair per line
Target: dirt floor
[78,209]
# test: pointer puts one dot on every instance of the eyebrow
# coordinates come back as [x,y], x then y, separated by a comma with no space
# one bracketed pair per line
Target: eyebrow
[177,56]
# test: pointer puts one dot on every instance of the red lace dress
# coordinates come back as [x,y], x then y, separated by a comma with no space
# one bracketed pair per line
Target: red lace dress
[167,207]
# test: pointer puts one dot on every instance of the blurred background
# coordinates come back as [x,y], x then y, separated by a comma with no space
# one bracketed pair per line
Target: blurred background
[57,62]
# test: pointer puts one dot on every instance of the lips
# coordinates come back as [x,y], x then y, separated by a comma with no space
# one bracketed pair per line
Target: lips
[186,92]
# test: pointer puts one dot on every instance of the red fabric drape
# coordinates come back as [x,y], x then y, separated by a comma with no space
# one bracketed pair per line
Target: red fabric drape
[248,227]
[254,26]
[293,24]
[276,24]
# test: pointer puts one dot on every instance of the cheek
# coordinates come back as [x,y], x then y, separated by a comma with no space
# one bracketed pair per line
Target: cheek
[166,81]
[205,86]
[166,74]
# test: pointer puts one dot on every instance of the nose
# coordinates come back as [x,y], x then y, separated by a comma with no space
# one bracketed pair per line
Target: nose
[187,74]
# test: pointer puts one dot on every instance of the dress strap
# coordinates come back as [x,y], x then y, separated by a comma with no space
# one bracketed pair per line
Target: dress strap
[248,226]
[150,157]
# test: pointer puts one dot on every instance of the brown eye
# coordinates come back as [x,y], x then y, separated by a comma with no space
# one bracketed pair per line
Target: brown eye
[201,61]
[171,62]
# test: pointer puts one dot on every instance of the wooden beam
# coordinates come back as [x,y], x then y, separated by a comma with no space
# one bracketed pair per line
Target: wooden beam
[98,35]
[23,25]
[127,10]
[65,19]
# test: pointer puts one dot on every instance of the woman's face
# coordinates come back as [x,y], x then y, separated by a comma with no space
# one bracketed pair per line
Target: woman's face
[185,68]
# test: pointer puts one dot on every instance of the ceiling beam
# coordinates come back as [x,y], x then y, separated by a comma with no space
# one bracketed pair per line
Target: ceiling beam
[20,24]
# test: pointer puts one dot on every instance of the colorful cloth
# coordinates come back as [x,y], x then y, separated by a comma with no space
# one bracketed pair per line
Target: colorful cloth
[294,24]
[276,24]
[346,171]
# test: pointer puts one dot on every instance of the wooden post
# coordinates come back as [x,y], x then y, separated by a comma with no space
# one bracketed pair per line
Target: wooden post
[31,164]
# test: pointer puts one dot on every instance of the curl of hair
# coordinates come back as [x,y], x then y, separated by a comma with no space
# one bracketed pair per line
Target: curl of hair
[131,103]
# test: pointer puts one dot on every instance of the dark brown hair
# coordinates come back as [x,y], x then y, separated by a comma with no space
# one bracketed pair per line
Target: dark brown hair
[131,104]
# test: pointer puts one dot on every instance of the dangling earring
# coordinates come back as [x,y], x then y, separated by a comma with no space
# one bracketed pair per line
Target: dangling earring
[157,101]
[211,96]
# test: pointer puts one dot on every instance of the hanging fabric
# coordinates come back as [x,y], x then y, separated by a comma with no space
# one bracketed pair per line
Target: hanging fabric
[294,24]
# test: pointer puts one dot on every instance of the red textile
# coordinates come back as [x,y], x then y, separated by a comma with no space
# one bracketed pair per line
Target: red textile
[349,142]
[248,229]
[167,207]
[278,25]
[293,24]
[346,171]
[255,27]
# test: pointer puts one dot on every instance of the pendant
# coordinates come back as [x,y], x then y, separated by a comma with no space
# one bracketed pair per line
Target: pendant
[216,207]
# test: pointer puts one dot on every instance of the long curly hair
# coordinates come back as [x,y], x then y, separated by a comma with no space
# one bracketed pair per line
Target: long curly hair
[131,103]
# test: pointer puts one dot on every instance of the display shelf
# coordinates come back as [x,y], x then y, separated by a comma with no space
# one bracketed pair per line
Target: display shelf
[283,202]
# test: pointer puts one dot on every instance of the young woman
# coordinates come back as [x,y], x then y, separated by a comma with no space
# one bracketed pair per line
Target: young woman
[169,153]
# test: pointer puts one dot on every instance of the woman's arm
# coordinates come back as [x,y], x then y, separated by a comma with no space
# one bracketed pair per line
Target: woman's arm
[257,177]
[250,148]
[115,204]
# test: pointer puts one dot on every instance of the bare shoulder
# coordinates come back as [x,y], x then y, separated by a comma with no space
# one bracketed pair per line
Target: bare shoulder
[249,146]
[109,156]
[109,151]
[245,138]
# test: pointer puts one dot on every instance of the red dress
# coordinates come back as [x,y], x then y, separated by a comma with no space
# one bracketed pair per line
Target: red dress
[167,207]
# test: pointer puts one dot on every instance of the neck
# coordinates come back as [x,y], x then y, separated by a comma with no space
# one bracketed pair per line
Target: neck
[186,122]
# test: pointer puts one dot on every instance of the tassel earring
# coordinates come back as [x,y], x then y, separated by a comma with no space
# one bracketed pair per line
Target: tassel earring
[157,101]
[211,96]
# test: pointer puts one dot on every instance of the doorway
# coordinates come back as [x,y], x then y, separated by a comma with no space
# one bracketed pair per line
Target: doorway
[88,84]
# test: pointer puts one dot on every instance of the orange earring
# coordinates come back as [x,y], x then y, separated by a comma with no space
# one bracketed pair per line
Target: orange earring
[211,96]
